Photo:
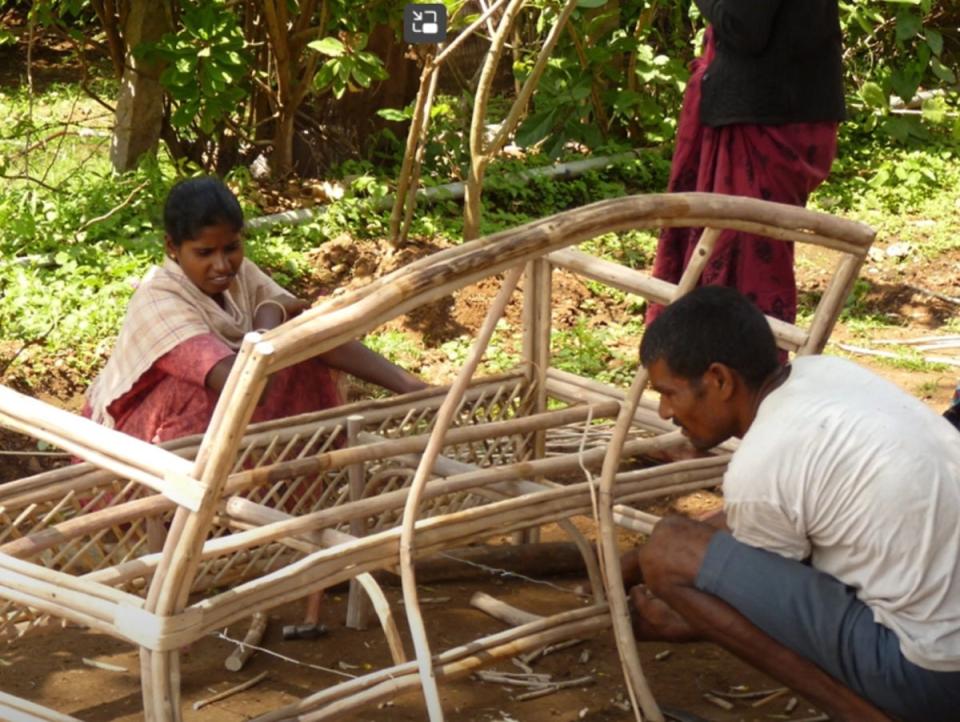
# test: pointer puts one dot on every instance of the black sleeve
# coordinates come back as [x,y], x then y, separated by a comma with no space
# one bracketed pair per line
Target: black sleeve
[743,25]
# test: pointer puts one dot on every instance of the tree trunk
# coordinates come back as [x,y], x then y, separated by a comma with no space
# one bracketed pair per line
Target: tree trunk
[471,199]
[139,114]
[282,158]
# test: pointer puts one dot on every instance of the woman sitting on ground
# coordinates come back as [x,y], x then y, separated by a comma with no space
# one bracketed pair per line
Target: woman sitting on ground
[187,319]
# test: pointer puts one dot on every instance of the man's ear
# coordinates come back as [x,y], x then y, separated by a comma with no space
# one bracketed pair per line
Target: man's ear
[722,379]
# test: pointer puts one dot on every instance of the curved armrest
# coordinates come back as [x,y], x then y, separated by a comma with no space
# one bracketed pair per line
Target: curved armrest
[115,451]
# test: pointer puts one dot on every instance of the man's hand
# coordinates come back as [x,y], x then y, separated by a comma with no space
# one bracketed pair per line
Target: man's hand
[630,568]
[653,619]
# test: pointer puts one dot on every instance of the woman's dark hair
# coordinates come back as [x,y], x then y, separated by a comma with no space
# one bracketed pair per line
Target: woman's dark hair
[712,324]
[196,203]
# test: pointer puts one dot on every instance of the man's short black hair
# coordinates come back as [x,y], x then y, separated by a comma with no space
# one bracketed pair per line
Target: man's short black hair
[712,324]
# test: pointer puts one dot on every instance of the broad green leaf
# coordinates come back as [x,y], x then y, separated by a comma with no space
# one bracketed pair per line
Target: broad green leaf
[873,95]
[362,77]
[591,3]
[905,82]
[934,40]
[395,115]
[898,127]
[943,72]
[536,127]
[908,25]
[330,47]
[591,135]
[934,110]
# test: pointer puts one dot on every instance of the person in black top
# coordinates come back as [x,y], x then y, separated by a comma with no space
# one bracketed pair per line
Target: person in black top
[759,119]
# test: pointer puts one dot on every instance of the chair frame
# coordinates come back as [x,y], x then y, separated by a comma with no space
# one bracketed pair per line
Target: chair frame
[157,597]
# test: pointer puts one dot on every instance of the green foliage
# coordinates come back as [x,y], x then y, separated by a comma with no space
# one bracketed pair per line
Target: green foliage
[634,249]
[512,195]
[69,287]
[397,346]
[207,64]
[501,353]
[348,67]
[895,50]
[580,349]
[902,192]
[870,172]
[612,75]
[605,353]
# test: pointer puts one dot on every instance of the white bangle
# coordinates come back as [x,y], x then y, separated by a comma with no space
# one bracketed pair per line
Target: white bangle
[270,301]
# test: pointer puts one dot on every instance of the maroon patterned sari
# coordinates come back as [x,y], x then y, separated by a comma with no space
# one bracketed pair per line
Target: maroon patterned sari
[782,163]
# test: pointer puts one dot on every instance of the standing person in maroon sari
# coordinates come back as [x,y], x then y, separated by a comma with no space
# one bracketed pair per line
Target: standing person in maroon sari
[759,119]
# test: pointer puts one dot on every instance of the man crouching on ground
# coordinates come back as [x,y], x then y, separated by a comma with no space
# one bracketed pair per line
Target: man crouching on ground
[835,564]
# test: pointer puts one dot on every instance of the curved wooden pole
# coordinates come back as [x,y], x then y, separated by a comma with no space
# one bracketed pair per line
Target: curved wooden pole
[442,422]
[637,686]
[609,554]
[382,608]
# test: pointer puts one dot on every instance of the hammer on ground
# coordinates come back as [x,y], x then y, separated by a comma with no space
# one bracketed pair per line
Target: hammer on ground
[311,627]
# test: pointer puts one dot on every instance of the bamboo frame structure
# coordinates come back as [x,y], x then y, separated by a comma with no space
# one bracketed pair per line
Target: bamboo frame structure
[160,546]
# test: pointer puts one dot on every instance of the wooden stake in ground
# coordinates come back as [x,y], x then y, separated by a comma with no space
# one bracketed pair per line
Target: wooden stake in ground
[239,656]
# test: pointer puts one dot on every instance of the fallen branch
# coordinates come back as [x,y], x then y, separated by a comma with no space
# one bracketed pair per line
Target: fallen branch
[770,697]
[935,294]
[26,177]
[544,651]
[232,691]
[532,680]
[919,341]
[26,344]
[757,694]
[113,211]
[718,701]
[895,356]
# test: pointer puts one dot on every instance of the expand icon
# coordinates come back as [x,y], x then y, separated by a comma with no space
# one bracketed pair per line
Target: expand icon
[425,23]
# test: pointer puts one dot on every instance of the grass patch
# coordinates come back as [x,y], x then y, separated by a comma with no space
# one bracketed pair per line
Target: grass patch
[75,239]
[907,193]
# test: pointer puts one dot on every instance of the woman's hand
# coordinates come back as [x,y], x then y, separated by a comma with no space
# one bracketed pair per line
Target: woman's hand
[357,360]
[274,311]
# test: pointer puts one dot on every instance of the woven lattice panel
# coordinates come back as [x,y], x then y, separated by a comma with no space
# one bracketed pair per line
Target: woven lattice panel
[330,488]
[102,548]
[74,493]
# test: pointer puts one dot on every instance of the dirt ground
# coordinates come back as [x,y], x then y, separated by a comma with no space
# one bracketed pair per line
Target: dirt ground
[49,668]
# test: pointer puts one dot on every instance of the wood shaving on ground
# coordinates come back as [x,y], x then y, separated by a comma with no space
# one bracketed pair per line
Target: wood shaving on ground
[103,665]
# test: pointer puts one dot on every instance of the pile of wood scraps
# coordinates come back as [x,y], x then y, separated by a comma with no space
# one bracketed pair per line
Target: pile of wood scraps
[741,696]
[537,684]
